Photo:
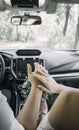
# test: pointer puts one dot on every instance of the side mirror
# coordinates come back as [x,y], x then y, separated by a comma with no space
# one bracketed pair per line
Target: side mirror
[26,20]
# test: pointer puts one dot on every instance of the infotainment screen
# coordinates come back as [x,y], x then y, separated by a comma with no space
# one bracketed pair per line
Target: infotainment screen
[20,66]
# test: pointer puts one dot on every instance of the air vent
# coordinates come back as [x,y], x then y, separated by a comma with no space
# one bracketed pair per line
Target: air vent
[28,52]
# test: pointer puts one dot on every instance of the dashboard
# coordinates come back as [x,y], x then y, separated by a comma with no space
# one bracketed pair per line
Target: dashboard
[65,71]
[15,78]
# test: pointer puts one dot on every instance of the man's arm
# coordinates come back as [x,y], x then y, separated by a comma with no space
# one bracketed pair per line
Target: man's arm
[7,119]
[29,114]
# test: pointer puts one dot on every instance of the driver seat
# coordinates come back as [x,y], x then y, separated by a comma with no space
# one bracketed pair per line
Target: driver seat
[11,99]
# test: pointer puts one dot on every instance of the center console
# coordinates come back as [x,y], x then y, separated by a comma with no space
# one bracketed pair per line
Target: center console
[19,70]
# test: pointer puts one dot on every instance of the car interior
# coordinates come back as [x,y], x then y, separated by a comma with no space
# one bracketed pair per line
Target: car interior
[62,65]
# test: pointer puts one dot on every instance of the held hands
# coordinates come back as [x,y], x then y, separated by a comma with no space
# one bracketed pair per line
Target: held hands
[41,79]
[49,84]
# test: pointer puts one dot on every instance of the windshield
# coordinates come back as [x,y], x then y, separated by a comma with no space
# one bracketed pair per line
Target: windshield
[58,31]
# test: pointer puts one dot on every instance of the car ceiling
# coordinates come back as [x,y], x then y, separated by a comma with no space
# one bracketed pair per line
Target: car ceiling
[47,7]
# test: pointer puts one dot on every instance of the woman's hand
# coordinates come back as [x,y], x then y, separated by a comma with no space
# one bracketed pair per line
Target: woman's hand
[49,84]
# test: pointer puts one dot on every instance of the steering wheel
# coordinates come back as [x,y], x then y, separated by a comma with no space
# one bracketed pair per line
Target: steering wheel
[2,68]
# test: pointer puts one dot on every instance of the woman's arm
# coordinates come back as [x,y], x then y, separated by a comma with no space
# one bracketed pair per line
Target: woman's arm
[49,84]
[29,114]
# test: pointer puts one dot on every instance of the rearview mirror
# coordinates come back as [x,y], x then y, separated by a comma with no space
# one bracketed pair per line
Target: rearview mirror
[26,19]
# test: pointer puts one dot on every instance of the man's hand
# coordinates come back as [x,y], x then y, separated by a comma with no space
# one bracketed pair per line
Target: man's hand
[33,80]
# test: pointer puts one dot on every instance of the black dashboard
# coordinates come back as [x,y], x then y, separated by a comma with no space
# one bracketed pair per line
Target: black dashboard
[63,66]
